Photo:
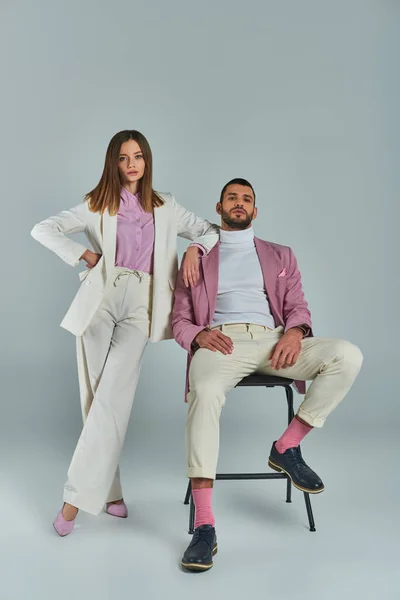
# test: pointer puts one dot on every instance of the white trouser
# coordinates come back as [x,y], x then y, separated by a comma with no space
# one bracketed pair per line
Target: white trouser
[332,365]
[112,348]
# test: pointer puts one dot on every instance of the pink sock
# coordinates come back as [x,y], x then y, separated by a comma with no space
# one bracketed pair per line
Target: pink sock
[293,435]
[203,503]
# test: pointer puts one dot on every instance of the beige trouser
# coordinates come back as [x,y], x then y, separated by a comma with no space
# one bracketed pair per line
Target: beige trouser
[113,347]
[332,365]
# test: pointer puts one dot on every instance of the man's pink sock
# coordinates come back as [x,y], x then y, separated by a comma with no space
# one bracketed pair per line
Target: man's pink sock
[203,502]
[293,435]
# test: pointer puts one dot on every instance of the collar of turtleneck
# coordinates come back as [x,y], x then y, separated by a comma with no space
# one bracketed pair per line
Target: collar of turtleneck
[239,239]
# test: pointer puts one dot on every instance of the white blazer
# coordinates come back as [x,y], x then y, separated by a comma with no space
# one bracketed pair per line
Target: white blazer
[170,220]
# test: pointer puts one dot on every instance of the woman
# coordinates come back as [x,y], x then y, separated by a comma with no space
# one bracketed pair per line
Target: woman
[124,300]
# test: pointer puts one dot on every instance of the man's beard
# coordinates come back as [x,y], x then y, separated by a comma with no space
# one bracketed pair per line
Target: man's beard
[236,224]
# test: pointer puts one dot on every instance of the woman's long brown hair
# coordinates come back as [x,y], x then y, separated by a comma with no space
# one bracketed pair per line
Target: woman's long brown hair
[107,193]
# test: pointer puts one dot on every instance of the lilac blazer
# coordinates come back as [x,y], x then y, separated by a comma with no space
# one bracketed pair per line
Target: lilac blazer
[194,307]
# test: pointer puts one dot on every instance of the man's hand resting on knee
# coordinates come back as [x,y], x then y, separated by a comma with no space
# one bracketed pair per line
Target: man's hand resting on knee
[213,340]
[287,350]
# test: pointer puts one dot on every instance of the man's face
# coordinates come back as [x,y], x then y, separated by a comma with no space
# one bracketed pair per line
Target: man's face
[237,208]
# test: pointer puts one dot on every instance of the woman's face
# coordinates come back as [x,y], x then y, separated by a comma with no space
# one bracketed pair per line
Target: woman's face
[131,164]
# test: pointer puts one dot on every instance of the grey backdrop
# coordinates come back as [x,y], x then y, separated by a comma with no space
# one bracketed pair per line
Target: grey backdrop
[302,99]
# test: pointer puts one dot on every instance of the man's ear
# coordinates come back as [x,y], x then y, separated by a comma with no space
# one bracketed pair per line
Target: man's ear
[255,213]
[219,208]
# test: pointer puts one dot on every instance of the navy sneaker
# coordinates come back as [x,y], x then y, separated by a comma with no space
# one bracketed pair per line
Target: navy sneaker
[199,554]
[291,462]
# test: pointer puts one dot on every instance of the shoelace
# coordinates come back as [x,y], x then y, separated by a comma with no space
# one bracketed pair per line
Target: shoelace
[297,459]
[203,535]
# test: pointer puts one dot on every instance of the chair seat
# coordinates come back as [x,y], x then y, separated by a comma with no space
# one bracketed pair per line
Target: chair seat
[264,380]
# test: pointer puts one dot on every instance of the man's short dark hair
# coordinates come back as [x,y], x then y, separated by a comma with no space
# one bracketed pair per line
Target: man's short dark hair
[238,181]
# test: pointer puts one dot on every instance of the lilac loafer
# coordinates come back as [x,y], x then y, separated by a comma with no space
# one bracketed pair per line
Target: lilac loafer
[62,526]
[117,510]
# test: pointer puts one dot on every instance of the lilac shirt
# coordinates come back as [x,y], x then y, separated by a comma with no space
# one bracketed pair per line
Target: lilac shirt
[135,235]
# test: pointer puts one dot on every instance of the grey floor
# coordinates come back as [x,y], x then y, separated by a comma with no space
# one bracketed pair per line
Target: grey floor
[265,548]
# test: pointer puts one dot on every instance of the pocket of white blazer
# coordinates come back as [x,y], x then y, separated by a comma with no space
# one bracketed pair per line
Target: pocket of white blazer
[83,274]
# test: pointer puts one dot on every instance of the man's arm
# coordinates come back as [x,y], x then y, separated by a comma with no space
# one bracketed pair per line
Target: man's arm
[295,307]
[184,325]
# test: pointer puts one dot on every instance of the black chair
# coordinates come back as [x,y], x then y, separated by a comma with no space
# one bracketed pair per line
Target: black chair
[269,382]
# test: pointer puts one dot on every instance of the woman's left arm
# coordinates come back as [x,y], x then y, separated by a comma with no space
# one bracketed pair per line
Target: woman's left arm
[194,228]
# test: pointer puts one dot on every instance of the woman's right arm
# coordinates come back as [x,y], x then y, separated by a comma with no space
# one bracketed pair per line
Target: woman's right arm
[53,232]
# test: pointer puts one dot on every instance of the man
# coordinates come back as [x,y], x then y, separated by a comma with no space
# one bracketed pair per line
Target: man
[248,314]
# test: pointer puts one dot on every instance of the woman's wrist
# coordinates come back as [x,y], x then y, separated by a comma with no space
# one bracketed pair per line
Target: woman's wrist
[200,249]
[85,255]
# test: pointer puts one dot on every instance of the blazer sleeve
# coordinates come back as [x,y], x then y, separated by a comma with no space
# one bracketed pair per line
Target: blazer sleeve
[184,327]
[53,232]
[195,228]
[295,307]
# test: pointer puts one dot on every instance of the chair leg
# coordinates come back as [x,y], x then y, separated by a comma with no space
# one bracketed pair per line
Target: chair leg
[288,490]
[188,492]
[309,511]
[289,398]
[191,515]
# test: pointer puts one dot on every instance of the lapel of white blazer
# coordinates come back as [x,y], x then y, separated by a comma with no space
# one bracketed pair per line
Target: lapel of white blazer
[109,233]
[160,233]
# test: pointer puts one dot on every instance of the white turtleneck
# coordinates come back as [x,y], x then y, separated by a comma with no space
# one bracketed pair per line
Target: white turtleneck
[241,293]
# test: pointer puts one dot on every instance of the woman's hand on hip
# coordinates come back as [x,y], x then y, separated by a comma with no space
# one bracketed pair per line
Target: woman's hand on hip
[91,258]
[191,266]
